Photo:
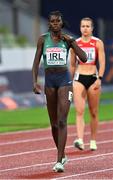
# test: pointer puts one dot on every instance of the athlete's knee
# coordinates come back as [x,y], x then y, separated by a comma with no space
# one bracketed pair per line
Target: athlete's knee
[62,123]
[54,126]
[80,112]
[94,113]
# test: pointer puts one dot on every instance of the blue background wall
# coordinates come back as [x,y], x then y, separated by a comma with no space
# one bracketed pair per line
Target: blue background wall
[74,10]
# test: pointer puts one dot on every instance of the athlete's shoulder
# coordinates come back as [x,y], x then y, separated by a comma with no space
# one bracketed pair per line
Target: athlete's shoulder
[45,34]
[95,38]
[42,38]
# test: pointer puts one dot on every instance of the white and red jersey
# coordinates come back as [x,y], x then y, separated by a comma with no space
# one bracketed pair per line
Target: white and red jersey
[90,49]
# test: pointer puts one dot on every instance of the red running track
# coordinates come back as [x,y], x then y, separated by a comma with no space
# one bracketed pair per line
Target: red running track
[32,154]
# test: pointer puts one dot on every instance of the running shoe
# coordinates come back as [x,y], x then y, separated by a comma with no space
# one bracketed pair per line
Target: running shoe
[93,145]
[64,160]
[58,167]
[78,143]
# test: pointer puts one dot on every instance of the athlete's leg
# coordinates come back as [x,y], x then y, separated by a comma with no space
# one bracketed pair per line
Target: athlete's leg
[63,109]
[79,97]
[51,96]
[93,102]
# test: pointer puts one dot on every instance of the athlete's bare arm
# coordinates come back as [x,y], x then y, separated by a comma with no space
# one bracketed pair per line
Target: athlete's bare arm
[101,57]
[73,59]
[78,51]
[35,68]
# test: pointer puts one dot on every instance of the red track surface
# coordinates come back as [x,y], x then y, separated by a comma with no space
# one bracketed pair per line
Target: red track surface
[32,154]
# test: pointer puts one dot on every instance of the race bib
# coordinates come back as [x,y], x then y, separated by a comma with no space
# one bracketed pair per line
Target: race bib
[56,56]
[90,54]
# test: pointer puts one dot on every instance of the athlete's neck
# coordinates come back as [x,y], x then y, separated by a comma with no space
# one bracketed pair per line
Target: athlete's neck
[56,36]
[86,38]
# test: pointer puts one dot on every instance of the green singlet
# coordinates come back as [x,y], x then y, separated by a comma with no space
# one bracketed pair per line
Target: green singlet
[54,54]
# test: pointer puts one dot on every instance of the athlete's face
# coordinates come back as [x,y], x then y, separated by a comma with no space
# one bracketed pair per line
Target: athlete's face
[86,28]
[55,23]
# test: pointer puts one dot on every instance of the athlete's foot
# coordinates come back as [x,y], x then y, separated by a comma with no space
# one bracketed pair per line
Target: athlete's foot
[93,145]
[78,143]
[58,167]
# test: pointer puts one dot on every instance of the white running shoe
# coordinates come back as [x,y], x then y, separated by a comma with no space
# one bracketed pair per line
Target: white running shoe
[58,167]
[78,143]
[93,145]
[64,160]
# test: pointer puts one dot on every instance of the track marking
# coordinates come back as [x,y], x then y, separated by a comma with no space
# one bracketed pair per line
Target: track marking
[25,131]
[80,158]
[47,138]
[46,164]
[49,149]
[82,174]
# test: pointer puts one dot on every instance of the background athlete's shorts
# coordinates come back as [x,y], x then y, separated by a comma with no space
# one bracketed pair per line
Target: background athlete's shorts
[58,79]
[86,80]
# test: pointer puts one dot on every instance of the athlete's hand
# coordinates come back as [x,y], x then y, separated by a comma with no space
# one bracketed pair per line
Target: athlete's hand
[36,88]
[72,43]
[67,38]
[97,84]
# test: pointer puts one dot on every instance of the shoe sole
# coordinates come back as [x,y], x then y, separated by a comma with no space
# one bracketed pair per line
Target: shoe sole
[93,149]
[58,170]
[78,146]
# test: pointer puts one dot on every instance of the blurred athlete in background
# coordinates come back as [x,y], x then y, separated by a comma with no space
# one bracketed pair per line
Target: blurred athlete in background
[87,81]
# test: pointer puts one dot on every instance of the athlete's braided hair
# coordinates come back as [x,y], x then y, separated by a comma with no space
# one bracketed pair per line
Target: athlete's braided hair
[58,13]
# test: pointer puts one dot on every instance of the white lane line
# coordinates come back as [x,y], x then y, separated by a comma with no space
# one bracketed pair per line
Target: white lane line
[48,137]
[49,149]
[46,164]
[83,174]
[48,128]
[25,141]
[25,131]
